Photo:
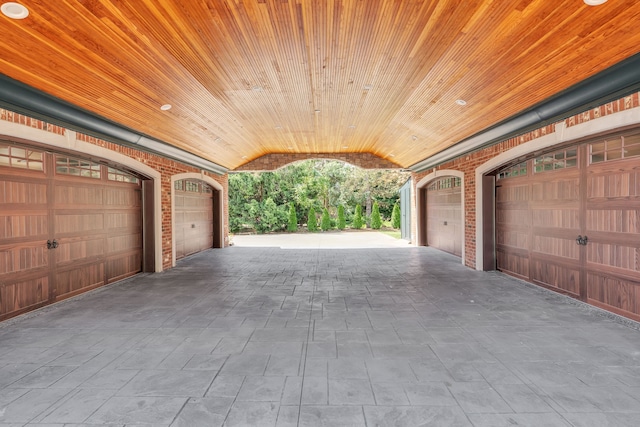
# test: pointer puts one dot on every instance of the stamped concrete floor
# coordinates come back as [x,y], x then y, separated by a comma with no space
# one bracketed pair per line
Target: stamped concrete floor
[319,337]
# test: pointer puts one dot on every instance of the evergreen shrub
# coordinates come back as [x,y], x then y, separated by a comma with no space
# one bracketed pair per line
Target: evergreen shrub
[326,220]
[395,216]
[376,221]
[312,224]
[342,223]
[292,226]
[358,221]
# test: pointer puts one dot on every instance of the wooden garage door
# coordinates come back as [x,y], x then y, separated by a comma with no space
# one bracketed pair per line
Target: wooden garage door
[570,220]
[444,215]
[194,219]
[67,225]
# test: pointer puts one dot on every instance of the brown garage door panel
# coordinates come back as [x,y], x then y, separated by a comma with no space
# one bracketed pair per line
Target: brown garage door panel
[74,223]
[123,265]
[124,242]
[610,293]
[122,195]
[553,247]
[123,220]
[92,212]
[512,262]
[83,195]
[25,258]
[78,278]
[79,249]
[22,296]
[23,226]
[444,215]
[616,256]
[194,219]
[562,276]
[29,191]
[584,229]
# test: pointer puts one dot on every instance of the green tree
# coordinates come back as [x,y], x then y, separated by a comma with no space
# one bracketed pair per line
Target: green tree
[312,225]
[358,221]
[341,220]
[312,183]
[326,220]
[395,216]
[293,219]
[376,221]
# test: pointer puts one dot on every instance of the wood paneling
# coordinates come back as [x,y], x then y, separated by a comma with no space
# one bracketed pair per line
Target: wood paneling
[96,223]
[245,77]
[444,215]
[612,223]
[25,262]
[194,221]
[539,216]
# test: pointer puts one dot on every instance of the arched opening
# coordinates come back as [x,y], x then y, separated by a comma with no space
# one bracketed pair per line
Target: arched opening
[197,212]
[563,214]
[440,211]
[79,217]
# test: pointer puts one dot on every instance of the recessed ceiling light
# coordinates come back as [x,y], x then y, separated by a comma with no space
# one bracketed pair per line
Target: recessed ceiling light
[368,87]
[217,139]
[14,10]
[257,88]
[317,111]
[166,107]
[461,102]
[352,126]
[414,137]
[244,157]
[290,148]
[392,155]
[345,146]
[594,2]
[278,127]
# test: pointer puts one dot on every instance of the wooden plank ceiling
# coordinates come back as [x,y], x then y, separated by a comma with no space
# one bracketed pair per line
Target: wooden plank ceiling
[251,77]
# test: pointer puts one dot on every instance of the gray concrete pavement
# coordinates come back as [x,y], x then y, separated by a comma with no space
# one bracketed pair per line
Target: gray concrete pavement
[319,337]
[361,239]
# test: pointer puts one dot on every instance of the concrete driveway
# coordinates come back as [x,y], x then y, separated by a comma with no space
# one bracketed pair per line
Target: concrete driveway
[362,239]
[269,337]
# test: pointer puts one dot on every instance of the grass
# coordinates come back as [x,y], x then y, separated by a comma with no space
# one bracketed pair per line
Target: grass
[393,233]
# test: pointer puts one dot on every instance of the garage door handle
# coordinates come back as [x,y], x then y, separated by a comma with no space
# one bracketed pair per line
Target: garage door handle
[582,240]
[52,245]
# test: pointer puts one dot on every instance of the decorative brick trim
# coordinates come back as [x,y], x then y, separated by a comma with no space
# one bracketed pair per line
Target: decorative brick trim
[270,162]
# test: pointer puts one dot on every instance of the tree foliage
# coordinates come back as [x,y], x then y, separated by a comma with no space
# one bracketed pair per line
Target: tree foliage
[293,219]
[376,221]
[314,183]
[395,216]
[325,224]
[358,221]
[342,223]
[312,224]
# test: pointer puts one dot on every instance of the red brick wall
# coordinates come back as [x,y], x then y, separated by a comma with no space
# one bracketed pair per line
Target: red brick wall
[166,167]
[271,162]
[10,116]
[468,164]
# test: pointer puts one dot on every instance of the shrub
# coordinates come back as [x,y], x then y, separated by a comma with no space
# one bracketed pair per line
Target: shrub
[293,219]
[358,221]
[268,216]
[326,220]
[342,223]
[376,221]
[395,216]
[312,225]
